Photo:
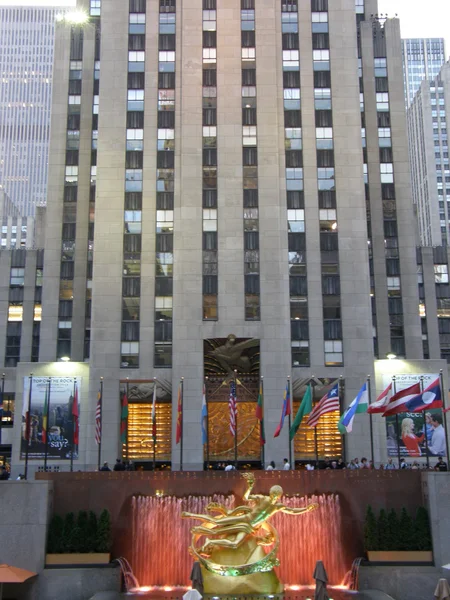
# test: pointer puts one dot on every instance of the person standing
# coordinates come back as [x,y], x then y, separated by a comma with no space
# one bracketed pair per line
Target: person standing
[286,466]
[271,466]
[105,467]
[390,466]
[441,464]
[437,446]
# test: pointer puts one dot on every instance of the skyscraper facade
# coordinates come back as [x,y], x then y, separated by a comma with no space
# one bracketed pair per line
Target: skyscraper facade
[427,128]
[26,64]
[229,199]
[422,59]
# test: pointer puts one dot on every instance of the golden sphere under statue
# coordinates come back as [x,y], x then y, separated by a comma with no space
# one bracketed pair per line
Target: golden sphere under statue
[232,553]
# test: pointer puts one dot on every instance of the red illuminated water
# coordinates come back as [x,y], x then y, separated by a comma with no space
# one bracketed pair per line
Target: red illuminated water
[161,539]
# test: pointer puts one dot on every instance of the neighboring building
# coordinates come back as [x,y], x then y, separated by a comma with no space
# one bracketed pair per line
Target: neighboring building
[18,231]
[227,224]
[26,65]
[428,116]
[422,59]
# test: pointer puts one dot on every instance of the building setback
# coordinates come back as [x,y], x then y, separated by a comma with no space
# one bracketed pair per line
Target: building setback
[212,206]
[422,60]
[26,64]
[427,127]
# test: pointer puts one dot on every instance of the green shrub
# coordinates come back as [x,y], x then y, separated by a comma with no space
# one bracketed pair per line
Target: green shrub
[370,531]
[55,535]
[104,532]
[383,530]
[422,532]
[82,525]
[92,532]
[393,530]
[406,531]
[66,540]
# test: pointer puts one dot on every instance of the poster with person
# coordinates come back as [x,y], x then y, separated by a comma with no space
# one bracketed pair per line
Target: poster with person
[50,418]
[417,433]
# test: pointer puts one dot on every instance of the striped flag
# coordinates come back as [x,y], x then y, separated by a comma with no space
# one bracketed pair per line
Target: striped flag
[98,419]
[380,404]
[204,417]
[154,412]
[398,401]
[329,403]
[232,405]
[260,415]
[286,410]
[358,406]
[124,419]
[180,414]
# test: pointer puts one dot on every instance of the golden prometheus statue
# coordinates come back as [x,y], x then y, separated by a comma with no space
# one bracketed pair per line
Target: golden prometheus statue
[232,556]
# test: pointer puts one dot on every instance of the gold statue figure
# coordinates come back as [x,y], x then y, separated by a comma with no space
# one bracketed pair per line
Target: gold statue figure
[234,538]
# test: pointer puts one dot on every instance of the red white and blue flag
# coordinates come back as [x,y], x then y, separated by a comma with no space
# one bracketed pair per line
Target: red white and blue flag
[232,405]
[329,403]
[415,400]
[286,411]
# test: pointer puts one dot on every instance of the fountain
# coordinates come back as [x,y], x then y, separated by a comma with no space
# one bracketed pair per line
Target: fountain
[161,539]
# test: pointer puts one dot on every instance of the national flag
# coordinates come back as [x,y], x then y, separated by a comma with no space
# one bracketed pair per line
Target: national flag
[329,403]
[98,419]
[75,415]
[124,419]
[260,415]
[180,414]
[204,418]
[304,409]
[154,412]
[431,397]
[359,405]
[380,404]
[398,400]
[44,416]
[286,410]
[232,405]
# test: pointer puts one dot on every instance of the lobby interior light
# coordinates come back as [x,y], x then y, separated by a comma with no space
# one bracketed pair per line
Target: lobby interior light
[65,358]
[391,356]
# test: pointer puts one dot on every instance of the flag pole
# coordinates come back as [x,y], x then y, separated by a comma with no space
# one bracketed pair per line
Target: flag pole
[27,425]
[99,458]
[207,422]
[128,417]
[425,426]
[47,424]
[341,410]
[181,408]
[263,457]
[235,424]
[2,405]
[290,420]
[369,395]
[316,445]
[154,426]
[397,425]
[73,424]
[444,423]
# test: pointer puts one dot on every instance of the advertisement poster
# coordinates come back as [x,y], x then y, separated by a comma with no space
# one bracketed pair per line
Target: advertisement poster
[54,410]
[418,433]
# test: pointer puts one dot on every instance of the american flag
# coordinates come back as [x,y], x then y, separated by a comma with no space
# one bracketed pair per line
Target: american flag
[232,404]
[329,403]
[98,419]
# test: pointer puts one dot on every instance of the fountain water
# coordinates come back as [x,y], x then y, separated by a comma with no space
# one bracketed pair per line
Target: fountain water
[161,539]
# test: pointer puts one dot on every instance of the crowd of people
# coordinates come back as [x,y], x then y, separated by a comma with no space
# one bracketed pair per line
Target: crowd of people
[364,463]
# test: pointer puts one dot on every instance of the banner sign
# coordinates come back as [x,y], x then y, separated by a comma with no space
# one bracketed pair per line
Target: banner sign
[416,430]
[59,398]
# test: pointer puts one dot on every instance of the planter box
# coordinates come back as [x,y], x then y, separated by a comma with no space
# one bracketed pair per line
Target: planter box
[87,558]
[400,556]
